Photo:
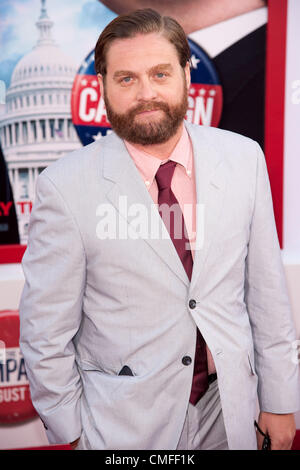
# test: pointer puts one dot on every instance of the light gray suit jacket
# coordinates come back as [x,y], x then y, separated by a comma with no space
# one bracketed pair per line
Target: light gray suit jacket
[92,304]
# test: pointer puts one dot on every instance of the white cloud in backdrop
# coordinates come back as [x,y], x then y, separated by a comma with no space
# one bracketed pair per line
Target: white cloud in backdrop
[77,25]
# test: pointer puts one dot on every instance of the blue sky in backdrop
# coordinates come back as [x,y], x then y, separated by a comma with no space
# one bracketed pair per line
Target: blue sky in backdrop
[77,25]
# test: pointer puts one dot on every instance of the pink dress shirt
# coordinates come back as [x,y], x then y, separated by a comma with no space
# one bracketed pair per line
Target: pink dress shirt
[183,186]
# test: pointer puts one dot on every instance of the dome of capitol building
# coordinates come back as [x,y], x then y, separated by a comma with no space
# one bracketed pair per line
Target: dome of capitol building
[36,127]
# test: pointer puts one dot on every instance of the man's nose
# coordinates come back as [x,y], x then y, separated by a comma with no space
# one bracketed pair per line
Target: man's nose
[146,90]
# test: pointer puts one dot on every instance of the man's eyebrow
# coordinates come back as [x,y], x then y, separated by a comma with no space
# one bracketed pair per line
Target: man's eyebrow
[122,73]
[160,67]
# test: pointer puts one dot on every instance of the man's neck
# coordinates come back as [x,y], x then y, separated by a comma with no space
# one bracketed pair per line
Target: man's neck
[164,150]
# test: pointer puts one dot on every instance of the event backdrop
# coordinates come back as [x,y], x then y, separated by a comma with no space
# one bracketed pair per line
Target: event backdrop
[50,104]
[53,104]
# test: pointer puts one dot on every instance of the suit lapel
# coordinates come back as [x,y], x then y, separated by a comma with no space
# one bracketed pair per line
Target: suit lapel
[127,190]
[210,186]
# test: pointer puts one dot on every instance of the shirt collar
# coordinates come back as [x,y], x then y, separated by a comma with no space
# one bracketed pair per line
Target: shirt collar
[148,164]
[216,38]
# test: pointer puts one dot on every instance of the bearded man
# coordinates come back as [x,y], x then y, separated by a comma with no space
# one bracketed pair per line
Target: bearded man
[155,310]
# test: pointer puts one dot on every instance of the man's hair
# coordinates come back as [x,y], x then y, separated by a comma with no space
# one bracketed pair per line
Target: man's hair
[141,22]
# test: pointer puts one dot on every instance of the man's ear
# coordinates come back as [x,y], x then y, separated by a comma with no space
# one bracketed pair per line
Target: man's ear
[187,72]
[100,80]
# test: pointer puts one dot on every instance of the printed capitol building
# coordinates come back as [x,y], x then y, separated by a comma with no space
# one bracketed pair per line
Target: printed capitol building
[36,128]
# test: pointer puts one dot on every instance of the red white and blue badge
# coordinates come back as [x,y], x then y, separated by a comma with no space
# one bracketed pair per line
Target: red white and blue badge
[205,99]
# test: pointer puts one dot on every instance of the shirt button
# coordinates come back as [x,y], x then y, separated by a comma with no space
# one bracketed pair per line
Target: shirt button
[192,303]
[186,360]
[147,183]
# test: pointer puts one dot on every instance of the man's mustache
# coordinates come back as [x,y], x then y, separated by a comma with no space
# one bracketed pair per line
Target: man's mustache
[149,106]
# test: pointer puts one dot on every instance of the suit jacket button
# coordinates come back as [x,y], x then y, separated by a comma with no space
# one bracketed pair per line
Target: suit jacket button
[186,360]
[192,303]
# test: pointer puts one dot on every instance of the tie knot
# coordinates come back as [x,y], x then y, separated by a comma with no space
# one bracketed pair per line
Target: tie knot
[164,175]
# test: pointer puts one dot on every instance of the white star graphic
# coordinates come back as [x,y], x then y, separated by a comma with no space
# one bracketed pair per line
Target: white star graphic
[94,83]
[194,61]
[84,82]
[98,136]
[192,91]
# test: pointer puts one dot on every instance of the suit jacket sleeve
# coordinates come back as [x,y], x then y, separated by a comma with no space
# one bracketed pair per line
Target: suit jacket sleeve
[268,306]
[50,312]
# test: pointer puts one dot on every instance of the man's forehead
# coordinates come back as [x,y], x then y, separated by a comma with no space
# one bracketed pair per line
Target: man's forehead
[140,43]
[146,50]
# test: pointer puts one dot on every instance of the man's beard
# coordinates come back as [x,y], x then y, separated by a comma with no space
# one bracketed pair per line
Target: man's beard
[152,131]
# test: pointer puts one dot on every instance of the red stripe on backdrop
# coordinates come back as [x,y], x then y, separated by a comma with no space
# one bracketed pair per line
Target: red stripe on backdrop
[11,253]
[274,104]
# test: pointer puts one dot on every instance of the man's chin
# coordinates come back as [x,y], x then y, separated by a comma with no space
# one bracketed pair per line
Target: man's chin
[146,136]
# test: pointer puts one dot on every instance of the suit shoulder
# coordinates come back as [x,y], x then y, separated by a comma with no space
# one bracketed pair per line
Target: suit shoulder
[233,147]
[222,136]
[79,170]
[73,162]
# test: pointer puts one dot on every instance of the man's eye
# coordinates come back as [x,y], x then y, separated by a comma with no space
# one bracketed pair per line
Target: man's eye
[160,74]
[126,79]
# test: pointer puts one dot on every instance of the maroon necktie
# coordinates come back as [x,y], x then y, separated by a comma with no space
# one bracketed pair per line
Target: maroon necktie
[174,221]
